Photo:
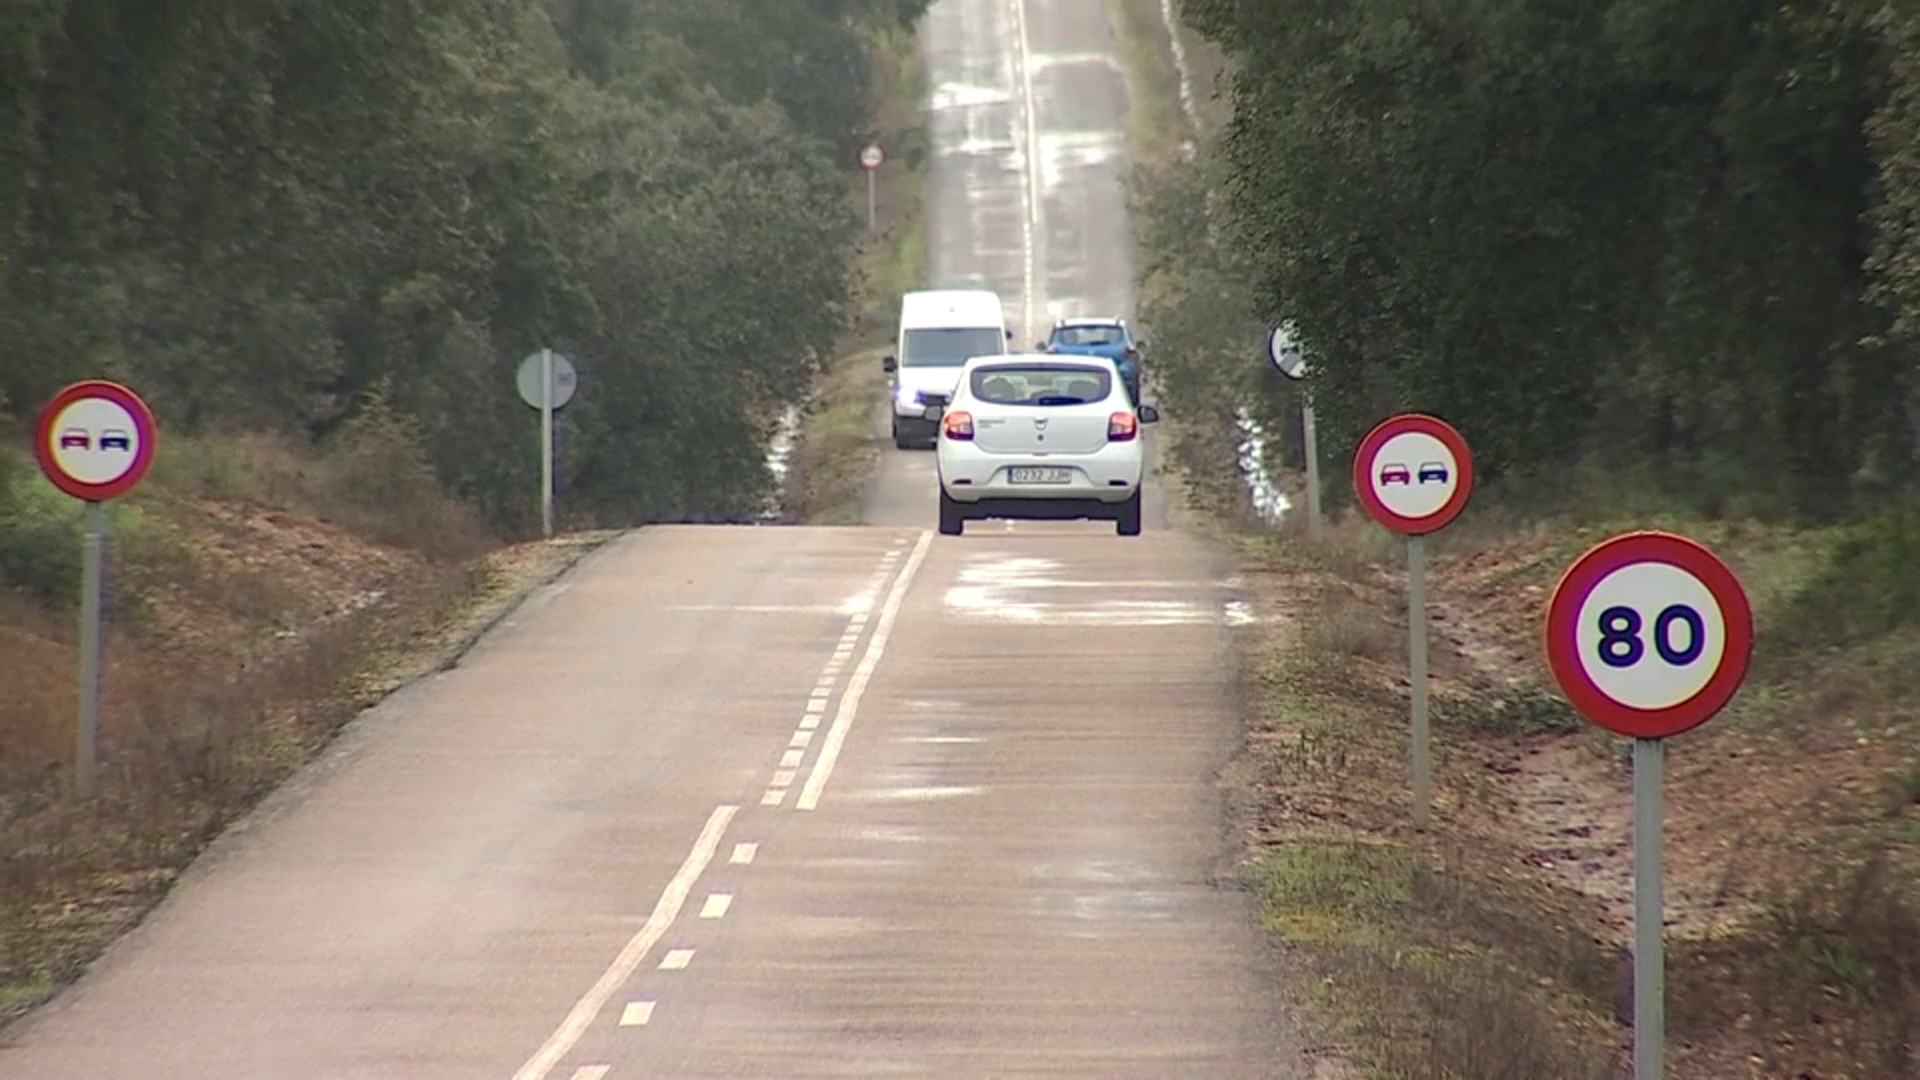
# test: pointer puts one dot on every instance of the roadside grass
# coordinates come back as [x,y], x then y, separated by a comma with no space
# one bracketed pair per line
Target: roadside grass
[1494,946]
[260,596]
[838,442]
[837,448]
[1195,445]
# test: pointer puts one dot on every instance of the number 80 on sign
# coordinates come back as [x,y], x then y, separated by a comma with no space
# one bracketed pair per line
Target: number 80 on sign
[1649,634]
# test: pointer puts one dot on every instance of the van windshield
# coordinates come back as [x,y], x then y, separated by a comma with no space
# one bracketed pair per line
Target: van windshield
[951,347]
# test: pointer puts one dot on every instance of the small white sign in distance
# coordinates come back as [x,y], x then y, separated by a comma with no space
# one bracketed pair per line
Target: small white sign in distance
[1414,474]
[1285,352]
[872,157]
[565,380]
[95,441]
[1651,635]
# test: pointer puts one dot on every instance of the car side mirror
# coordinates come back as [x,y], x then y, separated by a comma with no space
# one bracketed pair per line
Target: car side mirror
[1149,414]
[889,365]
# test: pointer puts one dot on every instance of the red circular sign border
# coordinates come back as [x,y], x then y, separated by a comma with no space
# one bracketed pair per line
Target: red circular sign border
[863,156]
[143,423]
[1562,633]
[1369,449]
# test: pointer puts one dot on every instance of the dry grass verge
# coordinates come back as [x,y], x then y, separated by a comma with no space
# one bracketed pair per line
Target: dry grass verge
[839,443]
[1494,946]
[262,596]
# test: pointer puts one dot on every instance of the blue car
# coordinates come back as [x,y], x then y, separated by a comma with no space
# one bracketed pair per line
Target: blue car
[1100,337]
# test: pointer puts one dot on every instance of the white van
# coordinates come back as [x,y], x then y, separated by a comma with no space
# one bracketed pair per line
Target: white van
[940,330]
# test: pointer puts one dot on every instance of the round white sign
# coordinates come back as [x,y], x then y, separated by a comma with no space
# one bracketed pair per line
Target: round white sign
[565,380]
[95,441]
[1414,474]
[1284,350]
[872,157]
[1651,635]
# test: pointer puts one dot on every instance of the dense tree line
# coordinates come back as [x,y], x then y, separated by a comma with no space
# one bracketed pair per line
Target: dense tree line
[263,212]
[1669,243]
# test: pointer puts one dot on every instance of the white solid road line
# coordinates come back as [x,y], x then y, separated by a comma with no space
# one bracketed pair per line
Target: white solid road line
[857,684]
[623,966]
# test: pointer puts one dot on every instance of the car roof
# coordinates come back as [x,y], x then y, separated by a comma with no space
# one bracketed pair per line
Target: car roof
[1041,360]
[1091,320]
[936,308]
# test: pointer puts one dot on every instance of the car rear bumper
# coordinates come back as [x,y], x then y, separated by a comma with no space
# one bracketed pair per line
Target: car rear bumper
[1107,477]
[1055,509]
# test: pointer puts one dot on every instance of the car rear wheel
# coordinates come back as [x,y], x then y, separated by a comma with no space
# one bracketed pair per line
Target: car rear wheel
[952,518]
[1127,521]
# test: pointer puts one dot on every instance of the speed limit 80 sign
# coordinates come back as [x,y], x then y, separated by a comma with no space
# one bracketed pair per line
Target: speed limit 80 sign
[1649,634]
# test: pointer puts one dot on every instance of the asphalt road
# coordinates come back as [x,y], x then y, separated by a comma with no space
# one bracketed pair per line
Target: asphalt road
[773,802]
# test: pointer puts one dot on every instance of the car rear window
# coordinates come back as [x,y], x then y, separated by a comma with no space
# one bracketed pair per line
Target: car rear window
[1088,335]
[1040,384]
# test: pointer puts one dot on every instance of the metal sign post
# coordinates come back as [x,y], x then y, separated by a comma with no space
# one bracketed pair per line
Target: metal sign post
[1649,635]
[1310,445]
[1289,359]
[93,543]
[546,381]
[546,442]
[1417,678]
[1413,474]
[95,440]
[1649,910]
[870,161]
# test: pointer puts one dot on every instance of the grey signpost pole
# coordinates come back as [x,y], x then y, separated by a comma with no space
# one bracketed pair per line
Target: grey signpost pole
[1311,446]
[1399,458]
[546,442]
[546,381]
[871,159]
[92,572]
[1649,635]
[1649,911]
[94,440]
[1417,672]
[1289,359]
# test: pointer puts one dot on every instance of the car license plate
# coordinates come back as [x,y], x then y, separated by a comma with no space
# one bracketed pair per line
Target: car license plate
[1033,474]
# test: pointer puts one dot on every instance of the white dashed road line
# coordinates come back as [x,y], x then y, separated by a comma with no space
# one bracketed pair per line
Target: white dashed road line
[857,684]
[716,906]
[624,965]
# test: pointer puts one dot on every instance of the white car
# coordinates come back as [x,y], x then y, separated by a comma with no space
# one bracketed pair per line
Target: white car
[1041,436]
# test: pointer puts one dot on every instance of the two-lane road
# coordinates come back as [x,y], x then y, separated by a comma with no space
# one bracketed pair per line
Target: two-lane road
[773,802]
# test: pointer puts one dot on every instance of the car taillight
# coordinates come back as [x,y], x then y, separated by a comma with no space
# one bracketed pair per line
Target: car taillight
[1121,426]
[959,425]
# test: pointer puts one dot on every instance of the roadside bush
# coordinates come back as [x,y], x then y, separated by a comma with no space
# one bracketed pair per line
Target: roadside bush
[39,538]
[1870,584]
[376,478]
